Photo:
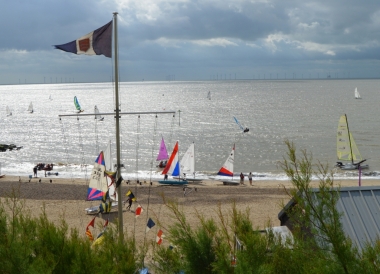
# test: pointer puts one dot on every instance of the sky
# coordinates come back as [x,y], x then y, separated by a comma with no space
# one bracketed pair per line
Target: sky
[188,40]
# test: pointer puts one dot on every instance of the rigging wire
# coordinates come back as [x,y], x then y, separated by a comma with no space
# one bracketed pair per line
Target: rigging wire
[65,144]
[137,163]
[150,179]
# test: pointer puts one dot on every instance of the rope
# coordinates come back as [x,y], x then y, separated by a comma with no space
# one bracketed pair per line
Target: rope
[137,164]
[96,137]
[65,142]
[150,181]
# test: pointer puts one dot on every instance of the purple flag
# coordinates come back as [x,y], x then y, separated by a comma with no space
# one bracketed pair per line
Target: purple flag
[97,42]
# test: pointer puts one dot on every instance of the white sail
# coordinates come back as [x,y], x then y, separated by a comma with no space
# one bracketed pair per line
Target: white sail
[357,94]
[346,147]
[97,115]
[228,168]
[8,111]
[30,108]
[50,98]
[98,181]
[209,95]
[187,162]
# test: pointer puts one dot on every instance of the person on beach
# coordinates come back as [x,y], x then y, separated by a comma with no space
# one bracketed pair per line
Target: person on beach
[35,171]
[129,204]
[250,178]
[241,178]
[165,177]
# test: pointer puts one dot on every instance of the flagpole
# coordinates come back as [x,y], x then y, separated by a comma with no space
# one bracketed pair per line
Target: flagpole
[117,110]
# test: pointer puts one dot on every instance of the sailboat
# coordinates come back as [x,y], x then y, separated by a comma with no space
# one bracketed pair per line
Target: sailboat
[173,168]
[209,95]
[162,154]
[8,111]
[97,115]
[346,147]
[30,108]
[357,94]
[77,105]
[50,98]
[99,185]
[187,165]
[227,170]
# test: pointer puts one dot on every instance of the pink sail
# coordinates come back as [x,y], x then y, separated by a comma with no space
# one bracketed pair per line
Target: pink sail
[163,153]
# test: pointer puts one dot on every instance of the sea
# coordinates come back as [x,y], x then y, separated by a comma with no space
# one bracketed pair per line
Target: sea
[305,112]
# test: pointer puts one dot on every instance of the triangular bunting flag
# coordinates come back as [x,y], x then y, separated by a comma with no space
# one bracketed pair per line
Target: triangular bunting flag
[88,232]
[130,195]
[138,211]
[150,224]
[159,237]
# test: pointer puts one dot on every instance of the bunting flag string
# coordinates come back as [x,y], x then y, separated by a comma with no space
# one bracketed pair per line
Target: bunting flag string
[138,211]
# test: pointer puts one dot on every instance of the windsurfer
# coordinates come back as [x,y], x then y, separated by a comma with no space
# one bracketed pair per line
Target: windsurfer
[246,130]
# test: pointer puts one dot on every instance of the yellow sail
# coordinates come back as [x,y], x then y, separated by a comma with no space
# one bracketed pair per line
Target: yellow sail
[346,147]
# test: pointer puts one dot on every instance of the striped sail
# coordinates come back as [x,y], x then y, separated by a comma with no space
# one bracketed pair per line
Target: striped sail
[172,167]
[98,181]
[346,147]
[228,167]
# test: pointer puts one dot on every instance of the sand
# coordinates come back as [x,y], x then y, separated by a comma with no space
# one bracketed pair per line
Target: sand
[65,198]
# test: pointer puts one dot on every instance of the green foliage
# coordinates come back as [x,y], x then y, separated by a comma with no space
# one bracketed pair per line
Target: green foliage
[36,245]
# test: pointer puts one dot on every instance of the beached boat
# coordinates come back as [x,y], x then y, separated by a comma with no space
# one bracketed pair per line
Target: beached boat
[227,170]
[97,115]
[8,111]
[162,155]
[187,165]
[357,94]
[346,147]
[98,186]
[77,105]
[173,168]
[30,108]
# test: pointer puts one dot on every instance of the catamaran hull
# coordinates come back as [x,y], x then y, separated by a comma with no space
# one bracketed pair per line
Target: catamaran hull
[350,166]
[190,180]
[95,209]
[173,182]
[231,183]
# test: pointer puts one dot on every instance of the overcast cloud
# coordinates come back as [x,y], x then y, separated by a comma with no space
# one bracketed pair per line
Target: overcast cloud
[192,39]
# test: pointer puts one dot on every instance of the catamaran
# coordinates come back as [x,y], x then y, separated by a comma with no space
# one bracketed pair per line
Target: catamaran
[357,94]
[187,166]
[346,147]
[97,115]
[162,155]
[77,105]
[30,108]
[173,168]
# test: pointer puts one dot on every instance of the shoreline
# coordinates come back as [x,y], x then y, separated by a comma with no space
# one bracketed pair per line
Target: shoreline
[65,198]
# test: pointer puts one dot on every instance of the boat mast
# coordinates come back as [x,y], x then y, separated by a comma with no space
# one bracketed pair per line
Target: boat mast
[117,113]
[349,139]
